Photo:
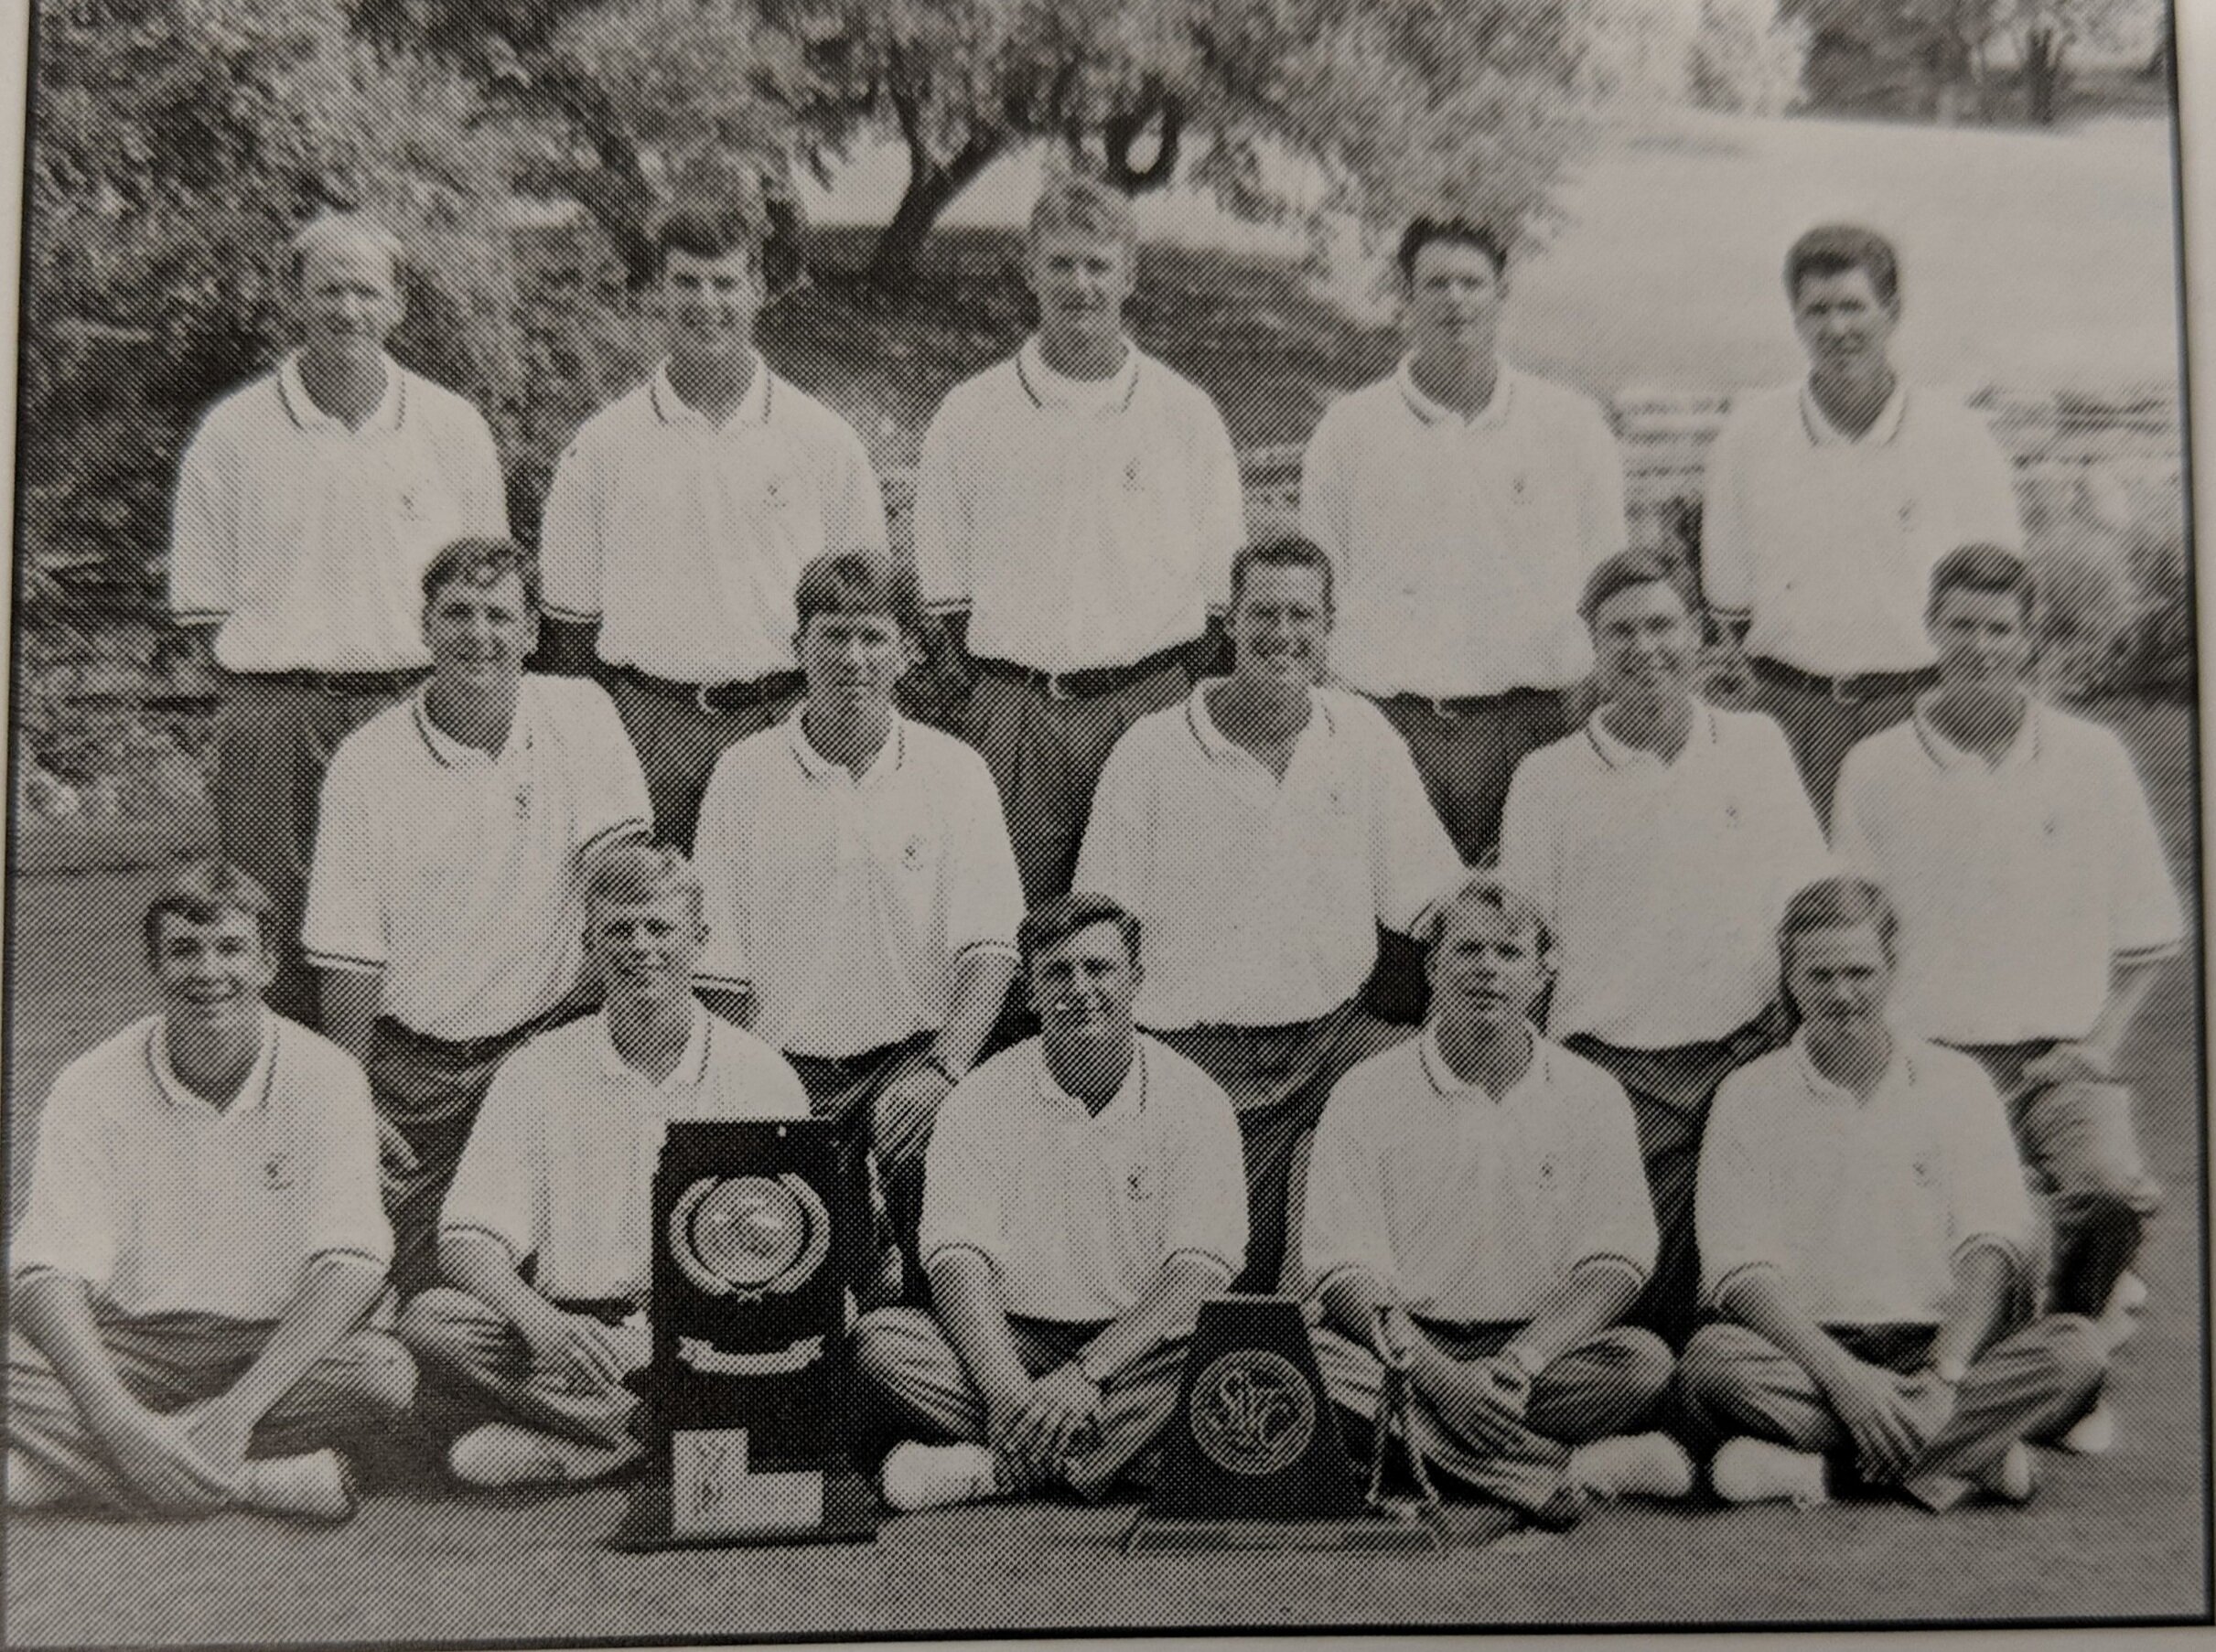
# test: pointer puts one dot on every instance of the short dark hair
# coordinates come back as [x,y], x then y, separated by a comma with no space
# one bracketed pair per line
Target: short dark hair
[1422,231]
[1055,920]
[481,561]
[1837,903]
[1290,552]
[857,582]
[200,892]
[718,215]
[1625,570]
[1484,889]
[1834,248]
[1985,568]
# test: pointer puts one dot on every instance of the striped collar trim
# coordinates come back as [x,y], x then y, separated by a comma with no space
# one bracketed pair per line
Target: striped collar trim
[1448,1084]
[1493,415]
[892,757]
[1130,1096]
[392,410]
[253,1093]
[1219,747]
[1618,753]
[1821,433]
[1047,388]
[691,1069]
[1946,755]
[754,407]
[449,753]
[1901,1070]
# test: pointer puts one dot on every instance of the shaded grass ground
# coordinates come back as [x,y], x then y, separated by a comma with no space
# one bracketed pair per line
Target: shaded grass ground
[2122,1537]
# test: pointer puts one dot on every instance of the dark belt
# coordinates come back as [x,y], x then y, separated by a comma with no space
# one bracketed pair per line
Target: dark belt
[460,1050]
[713,697]
[1090,683]
[1847,690]
[608,1310]
[1455,708]
[344,682]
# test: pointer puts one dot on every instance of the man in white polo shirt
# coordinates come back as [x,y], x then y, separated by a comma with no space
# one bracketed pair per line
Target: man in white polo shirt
[1077,509]
[679,520]
[456,831]
[861,898]
[307,503]
[1475,1199]
[1663,840]
[1862,1233]
[1463,503]
[1828,501]
[2036,904]
[559,1173]
[202,1247]
[1085,1195]
[1261,832]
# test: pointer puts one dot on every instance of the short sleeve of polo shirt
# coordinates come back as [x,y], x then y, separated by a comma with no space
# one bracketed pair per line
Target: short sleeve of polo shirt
[613,800]
[1612,1217]
[983,895]
[1531,836]
[204,528]
[854,516]
[1413,864]
[1112,860]
[1327,504]
[1986,487]
[1600,505]
[73,1225]
[1726,558]
[2145,918]
[962,1172]
[476,462]
[1222,502]
[941,511]
[1736,1220]
[346,922]
[1343,1222]
[347,1204]
[719,851]
[499,1186]
[573,534]
[1207,1213]
[1986,1203]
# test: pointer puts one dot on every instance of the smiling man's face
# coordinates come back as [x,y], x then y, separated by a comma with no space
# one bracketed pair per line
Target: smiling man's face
[211,975]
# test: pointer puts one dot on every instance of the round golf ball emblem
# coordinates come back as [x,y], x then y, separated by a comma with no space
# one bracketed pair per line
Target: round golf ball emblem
[749,1235]
[1253,1411]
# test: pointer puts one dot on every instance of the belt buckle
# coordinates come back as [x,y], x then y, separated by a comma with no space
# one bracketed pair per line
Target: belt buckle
[1440,710]
[700,698]
[1057,688]
[1843,692]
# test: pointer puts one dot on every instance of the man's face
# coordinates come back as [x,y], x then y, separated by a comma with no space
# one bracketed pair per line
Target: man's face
[1644,645]
[479,632]
[350,299]
[1487,969]
[1082,281]
[1455,296]
[211,975]
[852,660]
[1280,626]
[645,950]
[1843,326]
[709,304]
[1984,644]
[1081,988]
[1839,976]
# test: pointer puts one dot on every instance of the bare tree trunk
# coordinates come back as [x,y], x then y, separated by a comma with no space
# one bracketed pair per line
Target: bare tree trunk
[2044,49]
[931,189]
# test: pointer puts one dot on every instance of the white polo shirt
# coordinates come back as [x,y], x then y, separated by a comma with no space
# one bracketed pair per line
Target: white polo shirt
[2018,883]
[1078,1213]
[305,543]
[1462,543]
[844,901]
[1083,525]
[454,872]
[1258,898]
[1829,541]
[560,1165]
[163,1203]
[1470,1209]
[684,539]
[1663,881]
[1860,1207]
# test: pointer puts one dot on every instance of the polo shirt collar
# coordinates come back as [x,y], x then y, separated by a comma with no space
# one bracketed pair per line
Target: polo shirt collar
[292,391]
[1450,1085]
[674,409]
[2025,748]
[1619,753]
[1899,1073]
[1493,415]
[1823,433]
[1098,397]
[1130,1096]
[891,757]
[254,1092]
[692,1065]
[1221,747]
[450,753]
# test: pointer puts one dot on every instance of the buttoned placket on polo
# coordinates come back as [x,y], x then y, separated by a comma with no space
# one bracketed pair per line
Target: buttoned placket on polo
[383,421]
[679,414]
[1821,433]
[254,1092]
[1491,417]
[853,801]
[502,781]
[1123,1122]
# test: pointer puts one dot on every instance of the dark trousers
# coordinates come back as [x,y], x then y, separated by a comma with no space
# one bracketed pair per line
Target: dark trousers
[845,1090]
[1822,728]
[678,743]
[1467,751]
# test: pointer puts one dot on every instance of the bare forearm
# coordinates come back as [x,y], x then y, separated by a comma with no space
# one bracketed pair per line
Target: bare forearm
[351,1000]
[981,988]
[1764,1305]
[333,1294]
[483,1266]
[1351,1302]
[1981,1297]
[973,1310]
[1165,1310]
[1589,1300]
[55,1312]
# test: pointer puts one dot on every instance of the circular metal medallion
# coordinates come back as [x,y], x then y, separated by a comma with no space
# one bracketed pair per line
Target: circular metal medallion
[749,1235]
[1253,1411]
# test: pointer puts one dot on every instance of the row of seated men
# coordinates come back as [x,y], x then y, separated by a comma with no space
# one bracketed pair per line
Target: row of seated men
[852,868]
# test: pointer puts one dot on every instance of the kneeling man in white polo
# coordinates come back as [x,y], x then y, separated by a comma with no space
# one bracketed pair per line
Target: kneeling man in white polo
[559,1172]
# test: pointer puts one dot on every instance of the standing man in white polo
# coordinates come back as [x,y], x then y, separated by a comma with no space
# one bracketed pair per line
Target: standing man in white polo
[203,1247]
[861,898]
[679,520]
[308,504]
[1085,1195]
[1663,840]
[1077,509]
[1261,832]
[2037,908]
[559,1175]
[457,829]
[1462,501]
[1828,501]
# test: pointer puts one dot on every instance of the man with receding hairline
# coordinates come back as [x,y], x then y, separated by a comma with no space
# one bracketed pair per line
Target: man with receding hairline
[308,504]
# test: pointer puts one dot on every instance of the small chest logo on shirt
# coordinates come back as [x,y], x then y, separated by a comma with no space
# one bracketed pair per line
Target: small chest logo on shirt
[1923,1169]
[776,492]
[1547,1174]
[1139,1182]
[522,800]
[409,504]
[912,852]
[1908,513]
[277,1172]
[1731,812]
[1519,488]
[1131,476]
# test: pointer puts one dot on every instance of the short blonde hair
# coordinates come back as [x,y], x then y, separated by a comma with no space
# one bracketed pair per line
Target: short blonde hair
[1484,891]
[330,229]
[1086,206]
[633,875]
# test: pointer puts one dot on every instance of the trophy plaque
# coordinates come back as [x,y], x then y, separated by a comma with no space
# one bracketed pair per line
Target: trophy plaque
[1253,1457]
[744,1398]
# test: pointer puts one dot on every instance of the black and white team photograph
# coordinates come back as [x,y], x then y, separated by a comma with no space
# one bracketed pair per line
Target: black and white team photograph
[952,818]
